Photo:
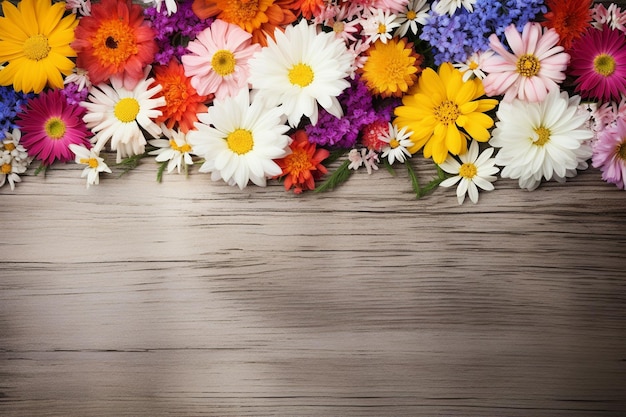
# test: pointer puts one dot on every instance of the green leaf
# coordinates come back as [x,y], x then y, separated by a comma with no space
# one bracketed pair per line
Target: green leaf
[161,169]
[414,181]
[334,156]
[130,163]
[389,167]
[42,168]
[341,175]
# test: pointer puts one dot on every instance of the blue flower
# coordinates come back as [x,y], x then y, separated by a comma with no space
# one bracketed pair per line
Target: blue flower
[11,103]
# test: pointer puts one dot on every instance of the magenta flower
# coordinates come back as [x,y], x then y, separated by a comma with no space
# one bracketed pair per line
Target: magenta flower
[535,67]
[49,125]
[599,64]
[609,154]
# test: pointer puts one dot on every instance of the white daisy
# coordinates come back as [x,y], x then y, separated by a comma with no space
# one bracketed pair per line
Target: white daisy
[378,25]
[14,159]
[541,139]
[473,66]
[169,4]
[174,149]
[240,139]
[80,77]
[450,6]
[398,144]
[118,114]
[301,69]
[416,12]
[95,164]
[476,171]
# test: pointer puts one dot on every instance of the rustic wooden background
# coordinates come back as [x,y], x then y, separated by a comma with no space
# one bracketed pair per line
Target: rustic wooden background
[192,298]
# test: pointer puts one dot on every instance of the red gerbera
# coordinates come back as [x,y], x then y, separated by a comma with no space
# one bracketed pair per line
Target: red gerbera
[50,125]
[183,103]
[598,63]
[303,166]
[570,19]
[115,39]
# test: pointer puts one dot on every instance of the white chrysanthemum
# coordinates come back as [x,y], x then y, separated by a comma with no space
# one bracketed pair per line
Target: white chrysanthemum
[95,164]
[416,12]
[476,171]
[398,143]
[450,6]
[14,159]
[379,25]
[301,69]
[118,114]
[240,139]
[174,149]
[541,139]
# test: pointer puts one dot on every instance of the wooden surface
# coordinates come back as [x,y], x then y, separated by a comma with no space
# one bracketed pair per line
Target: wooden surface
[192,298]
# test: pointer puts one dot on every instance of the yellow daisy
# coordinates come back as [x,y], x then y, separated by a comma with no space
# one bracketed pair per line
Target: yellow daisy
[391,68]
[35,42]
[443,111]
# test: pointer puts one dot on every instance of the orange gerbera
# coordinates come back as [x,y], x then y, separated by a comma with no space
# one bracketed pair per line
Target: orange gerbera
[258,17]
[114,40]
[570,19]
[303,166]
[310,8]
[183,103]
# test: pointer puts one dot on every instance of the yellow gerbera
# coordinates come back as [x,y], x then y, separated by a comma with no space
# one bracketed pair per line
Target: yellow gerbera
[391,68]
[442,111]
[35,42]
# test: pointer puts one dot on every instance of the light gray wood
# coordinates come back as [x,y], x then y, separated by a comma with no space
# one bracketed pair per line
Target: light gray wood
[192,298]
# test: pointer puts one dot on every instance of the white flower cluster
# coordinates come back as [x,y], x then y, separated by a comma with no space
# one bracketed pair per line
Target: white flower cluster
[13,158]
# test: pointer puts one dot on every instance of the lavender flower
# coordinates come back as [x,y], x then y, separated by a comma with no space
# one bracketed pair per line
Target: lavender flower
[175,31]
[11,103]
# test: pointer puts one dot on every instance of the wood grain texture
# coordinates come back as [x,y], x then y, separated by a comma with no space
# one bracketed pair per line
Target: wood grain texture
[192,298]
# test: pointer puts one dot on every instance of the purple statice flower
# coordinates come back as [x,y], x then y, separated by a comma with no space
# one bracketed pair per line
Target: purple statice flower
[11,103]
[175,31]
[455,38]
[73,95]
[359,111]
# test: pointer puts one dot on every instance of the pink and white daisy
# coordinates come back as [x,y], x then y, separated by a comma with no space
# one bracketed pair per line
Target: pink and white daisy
[378,25]
[451,6]
[609,154]
[534,67]
[49,125]
[599,64]
[218,60]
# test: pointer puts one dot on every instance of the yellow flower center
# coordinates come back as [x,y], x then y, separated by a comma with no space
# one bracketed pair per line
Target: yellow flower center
[411,14]
[92,162]
[604,64]
[298,162]
[185,148]
[6,168]
[382,29]
[240,141]
[528,65]
[447,112]
[114,42]
[301,74]
[621,150]
[394,143]
[36,47]
[473,65]
[239,11]
[223,62]
[468,170]
[55,128]
[543,136]
[126,110]
[9,146]
[338,26]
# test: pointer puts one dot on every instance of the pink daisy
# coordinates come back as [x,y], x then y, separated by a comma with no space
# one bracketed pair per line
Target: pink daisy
[218,60]
[49,125]
[535,67]
[609,154]
[599,64]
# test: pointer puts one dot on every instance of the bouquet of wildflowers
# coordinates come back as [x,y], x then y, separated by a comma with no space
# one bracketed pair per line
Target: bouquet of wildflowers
[308,91]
